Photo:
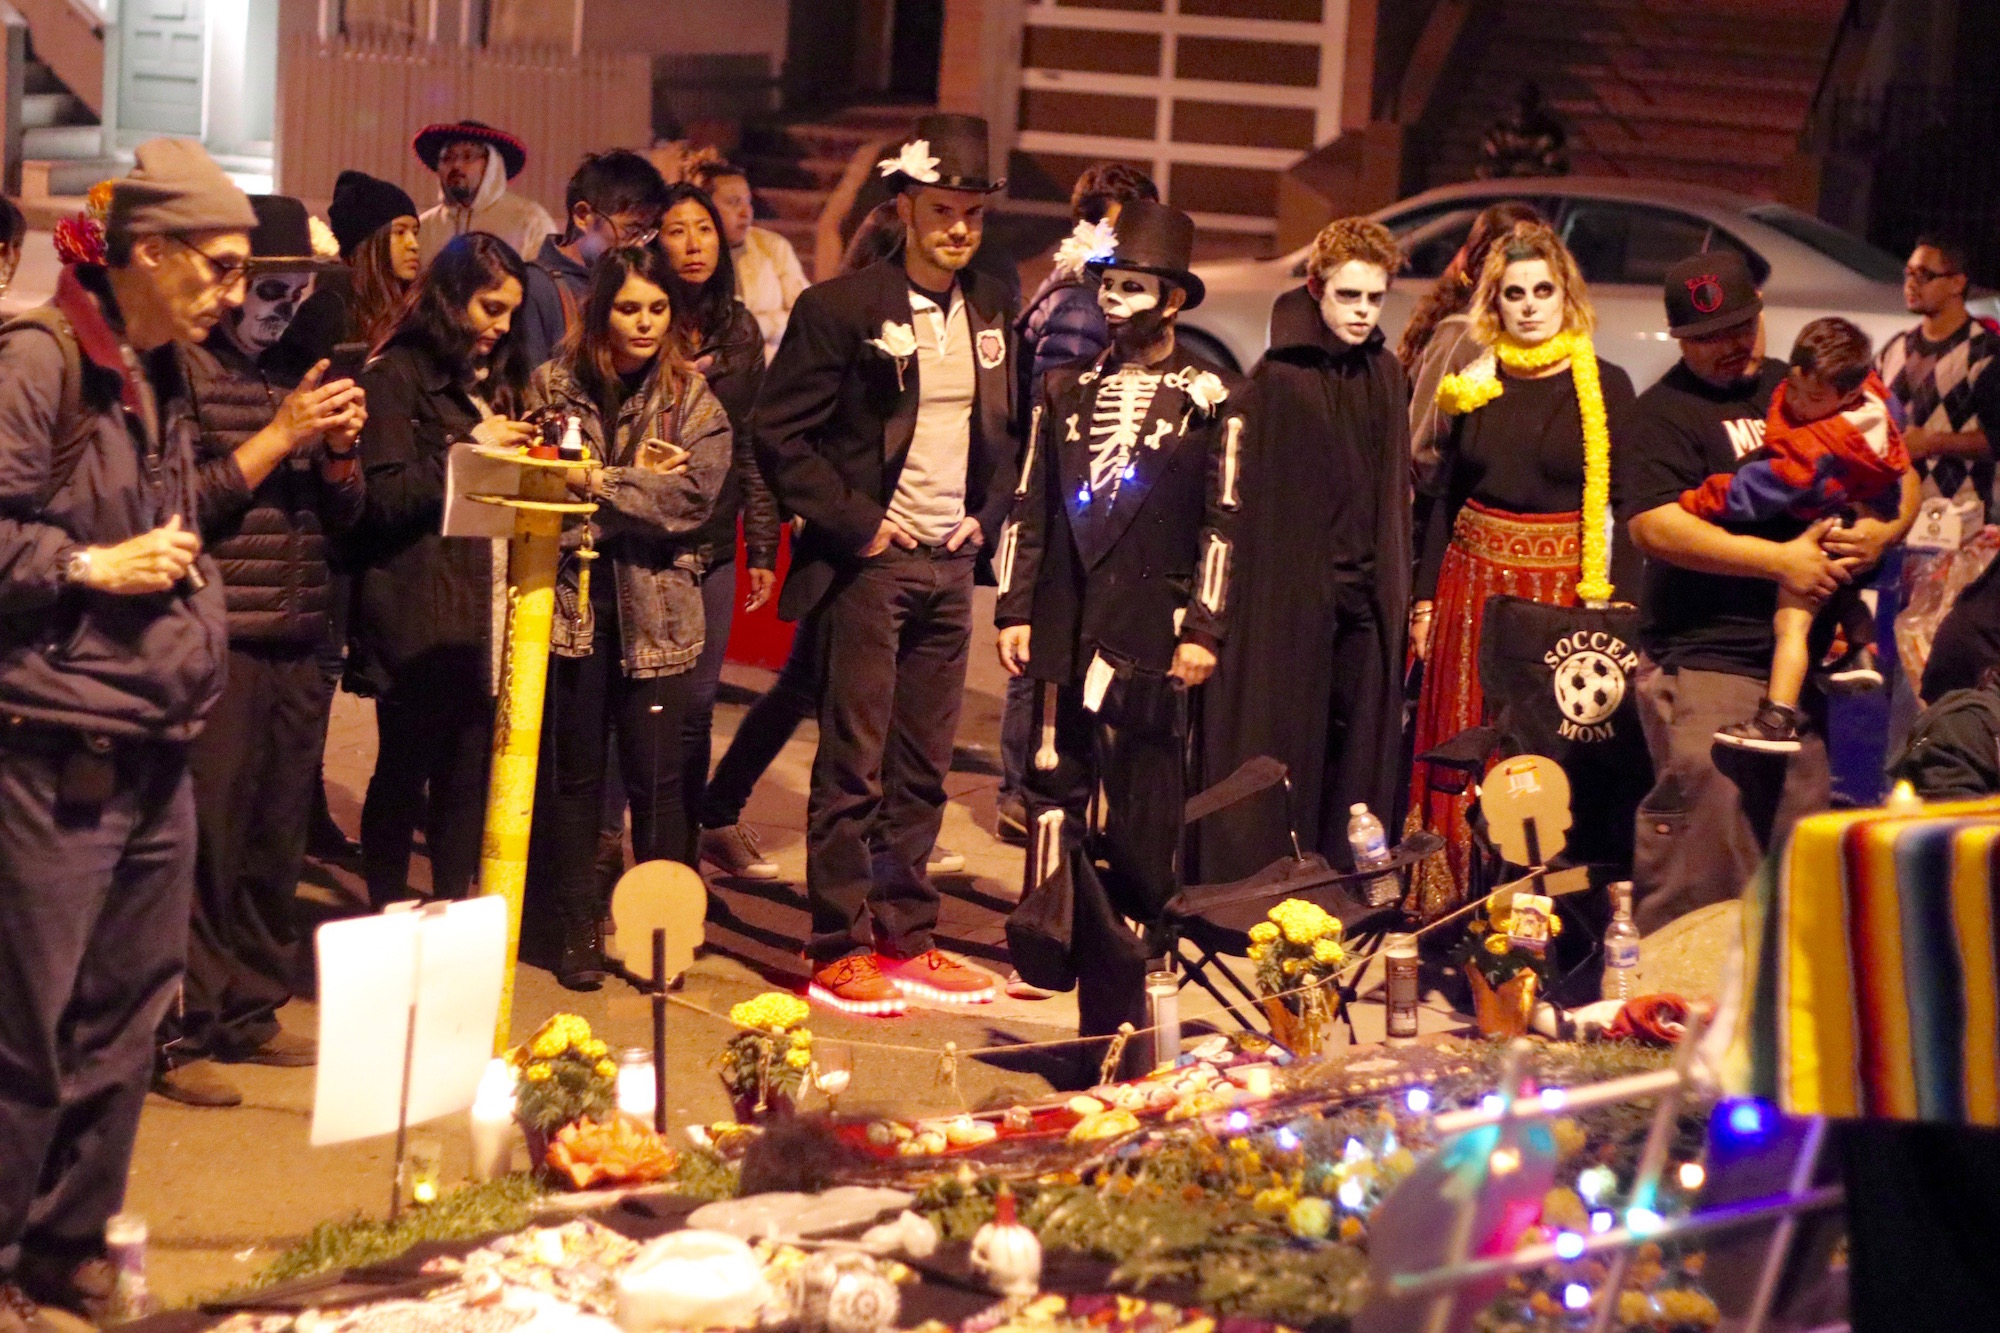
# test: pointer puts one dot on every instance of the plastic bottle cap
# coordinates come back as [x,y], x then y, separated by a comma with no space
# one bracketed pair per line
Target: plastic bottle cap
[1358,808]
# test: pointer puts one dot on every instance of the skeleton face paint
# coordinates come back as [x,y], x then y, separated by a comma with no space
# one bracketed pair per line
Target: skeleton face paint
[1351,300]
[268,308]
[1531,302]
[1125,294]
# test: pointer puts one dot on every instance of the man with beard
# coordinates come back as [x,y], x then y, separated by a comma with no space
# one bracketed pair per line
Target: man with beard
[1116,581]
[474,162]
[885,422]
[277,479]
[1312,670]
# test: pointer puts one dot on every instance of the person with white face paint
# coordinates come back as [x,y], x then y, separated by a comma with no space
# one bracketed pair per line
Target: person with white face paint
[1312,671]
[1117,583]
[1523,508]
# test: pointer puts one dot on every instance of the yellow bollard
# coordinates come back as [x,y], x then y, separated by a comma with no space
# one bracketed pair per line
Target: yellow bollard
[532,557]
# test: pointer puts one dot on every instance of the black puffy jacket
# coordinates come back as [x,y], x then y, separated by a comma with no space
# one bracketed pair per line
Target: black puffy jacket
[272,544]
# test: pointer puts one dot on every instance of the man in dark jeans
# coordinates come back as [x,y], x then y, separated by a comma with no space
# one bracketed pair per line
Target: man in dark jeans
[112,651]
[885,422]
[1709,594]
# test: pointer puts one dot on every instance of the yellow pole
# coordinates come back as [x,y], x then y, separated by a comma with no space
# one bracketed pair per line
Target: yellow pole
[517,724]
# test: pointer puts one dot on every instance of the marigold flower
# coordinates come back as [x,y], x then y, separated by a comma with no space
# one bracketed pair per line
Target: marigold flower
[537,1073]
[1496,944]
[607,1069]
[798,1057]
[1264,932]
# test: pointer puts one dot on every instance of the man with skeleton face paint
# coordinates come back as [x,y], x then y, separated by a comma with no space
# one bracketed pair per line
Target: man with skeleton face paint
[1312,669]
[277,479]
[1117,578]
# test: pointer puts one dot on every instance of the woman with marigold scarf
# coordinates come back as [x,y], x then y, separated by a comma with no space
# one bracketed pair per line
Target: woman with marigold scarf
[1523,504]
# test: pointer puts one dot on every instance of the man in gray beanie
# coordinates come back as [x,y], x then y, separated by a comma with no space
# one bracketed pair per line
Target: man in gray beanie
[112,650]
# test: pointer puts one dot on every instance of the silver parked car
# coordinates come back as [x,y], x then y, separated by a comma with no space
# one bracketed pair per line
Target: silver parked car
[1625,234]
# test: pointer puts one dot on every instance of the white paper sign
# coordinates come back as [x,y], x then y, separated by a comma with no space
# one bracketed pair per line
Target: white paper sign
[448,962]
[468,472]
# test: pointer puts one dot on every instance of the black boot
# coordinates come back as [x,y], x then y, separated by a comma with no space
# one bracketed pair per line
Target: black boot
[580,966]
[325,841]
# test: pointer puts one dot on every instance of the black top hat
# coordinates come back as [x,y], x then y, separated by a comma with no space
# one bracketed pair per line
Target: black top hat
[1154,238]
[431,140]
[1710,292]
[945,151]
[362,206]
[282,241]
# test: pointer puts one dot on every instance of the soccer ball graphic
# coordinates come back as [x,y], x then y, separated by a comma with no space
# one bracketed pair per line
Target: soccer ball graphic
[1589,688]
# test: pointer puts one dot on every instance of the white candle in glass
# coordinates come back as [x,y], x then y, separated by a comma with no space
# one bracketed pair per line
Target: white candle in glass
[492,1122]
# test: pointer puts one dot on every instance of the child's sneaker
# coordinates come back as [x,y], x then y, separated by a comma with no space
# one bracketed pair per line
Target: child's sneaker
[1774,730]
[1855,672]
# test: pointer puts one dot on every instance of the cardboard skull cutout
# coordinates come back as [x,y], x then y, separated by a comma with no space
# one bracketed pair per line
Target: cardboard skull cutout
[268,307]
[1350,300]
[1531,302]
[1125,294]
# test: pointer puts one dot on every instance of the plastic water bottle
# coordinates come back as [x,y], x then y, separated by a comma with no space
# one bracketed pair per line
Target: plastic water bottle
[1621,946]
[1370,846]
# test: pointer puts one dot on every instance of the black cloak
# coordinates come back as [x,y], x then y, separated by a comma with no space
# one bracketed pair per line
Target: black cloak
[1312,670]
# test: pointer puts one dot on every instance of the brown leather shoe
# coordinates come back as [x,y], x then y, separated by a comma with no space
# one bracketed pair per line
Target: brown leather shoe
[855,985]
[284,1051]
[198,1083]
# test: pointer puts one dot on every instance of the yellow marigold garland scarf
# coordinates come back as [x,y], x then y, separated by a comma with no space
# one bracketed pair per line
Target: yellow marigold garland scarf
[1480,383]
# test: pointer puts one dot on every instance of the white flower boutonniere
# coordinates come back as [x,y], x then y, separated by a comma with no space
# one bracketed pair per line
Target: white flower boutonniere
[899,343]
[1207,391]
[913,160]
[1091,241]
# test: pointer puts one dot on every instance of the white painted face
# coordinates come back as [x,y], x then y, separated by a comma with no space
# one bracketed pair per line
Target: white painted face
[1351,300]
[268,307]
[1531,302]
[1124,294]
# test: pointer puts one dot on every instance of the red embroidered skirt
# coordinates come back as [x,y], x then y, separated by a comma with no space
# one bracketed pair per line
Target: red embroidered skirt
[1492,553]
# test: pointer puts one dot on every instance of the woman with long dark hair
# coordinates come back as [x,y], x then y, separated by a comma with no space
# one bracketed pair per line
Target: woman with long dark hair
[716,332]
[423,639]
[1523,501]
[375,223]
[629,622]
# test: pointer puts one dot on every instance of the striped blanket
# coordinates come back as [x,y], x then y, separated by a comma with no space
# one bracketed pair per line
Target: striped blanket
[1872,968]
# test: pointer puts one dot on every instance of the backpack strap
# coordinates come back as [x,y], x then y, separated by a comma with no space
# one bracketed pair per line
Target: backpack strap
[74,426]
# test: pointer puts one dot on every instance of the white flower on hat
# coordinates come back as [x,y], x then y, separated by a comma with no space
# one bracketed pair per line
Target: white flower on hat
[1207,391]
[324,245]
[1091,242]
[914,161]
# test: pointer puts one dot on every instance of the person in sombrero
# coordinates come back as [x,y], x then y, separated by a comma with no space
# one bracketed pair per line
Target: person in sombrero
[474,162]
[1525,478]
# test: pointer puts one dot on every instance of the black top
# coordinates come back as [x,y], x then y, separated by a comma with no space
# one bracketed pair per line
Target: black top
[1967,640]
[1522,453]
[1679,432]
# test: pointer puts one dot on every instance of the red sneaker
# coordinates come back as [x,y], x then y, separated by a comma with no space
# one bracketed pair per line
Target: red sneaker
[855,985]
[935,975]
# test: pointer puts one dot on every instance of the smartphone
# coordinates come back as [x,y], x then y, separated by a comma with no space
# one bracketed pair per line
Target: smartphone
[345,362]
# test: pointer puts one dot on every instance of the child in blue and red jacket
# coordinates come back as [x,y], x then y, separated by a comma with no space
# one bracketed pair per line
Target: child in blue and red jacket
[1830,450]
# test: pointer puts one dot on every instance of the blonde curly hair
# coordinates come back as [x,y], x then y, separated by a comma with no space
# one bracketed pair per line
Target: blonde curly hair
[1347,239]
[1530,240]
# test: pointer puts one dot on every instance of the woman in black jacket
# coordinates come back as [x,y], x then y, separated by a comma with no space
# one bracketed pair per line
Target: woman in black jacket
[423,640]
[719,336]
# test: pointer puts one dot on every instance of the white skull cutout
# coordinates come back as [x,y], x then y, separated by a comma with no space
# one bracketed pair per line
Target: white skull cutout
[1351,298]
[1124,294]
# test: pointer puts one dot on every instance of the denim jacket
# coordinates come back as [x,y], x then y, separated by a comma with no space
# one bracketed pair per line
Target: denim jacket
[647,520]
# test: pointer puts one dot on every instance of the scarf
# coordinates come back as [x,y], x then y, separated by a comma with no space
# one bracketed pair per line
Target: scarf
[1480,383]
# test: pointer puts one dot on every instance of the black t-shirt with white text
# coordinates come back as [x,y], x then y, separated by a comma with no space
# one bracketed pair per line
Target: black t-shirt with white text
[1676,434]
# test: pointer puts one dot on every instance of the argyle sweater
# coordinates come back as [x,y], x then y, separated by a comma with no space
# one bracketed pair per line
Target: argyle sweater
[1812,469]
[1945,386]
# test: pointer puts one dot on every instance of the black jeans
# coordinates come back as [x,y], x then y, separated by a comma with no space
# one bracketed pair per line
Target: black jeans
[718,603]
[254,766]
[589,699]
[766,728]
[896,631]
[434,732]
[93,930]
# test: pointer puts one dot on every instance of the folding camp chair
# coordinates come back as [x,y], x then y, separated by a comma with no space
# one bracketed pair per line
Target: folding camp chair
[1215,919]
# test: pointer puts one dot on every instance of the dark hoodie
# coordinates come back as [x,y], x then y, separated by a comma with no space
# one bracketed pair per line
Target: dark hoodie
[556,285]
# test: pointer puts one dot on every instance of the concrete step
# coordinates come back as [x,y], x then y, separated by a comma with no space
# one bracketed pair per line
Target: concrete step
[41,79]
[1665,115]
[797,205]
[47,110]
[63,143]
[826,171]
[802,233]
[1600,20]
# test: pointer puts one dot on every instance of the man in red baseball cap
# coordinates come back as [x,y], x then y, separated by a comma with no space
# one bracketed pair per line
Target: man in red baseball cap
[474,162]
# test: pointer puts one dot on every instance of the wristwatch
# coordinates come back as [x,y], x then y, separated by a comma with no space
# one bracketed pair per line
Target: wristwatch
[76,567]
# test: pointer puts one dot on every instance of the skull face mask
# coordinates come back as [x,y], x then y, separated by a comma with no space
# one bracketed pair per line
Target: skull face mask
[1531,302]
[1350,300]
[1125,294]
[268,308]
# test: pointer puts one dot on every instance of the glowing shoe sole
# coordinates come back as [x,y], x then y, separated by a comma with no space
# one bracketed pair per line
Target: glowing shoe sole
[916,990]
[890,1008]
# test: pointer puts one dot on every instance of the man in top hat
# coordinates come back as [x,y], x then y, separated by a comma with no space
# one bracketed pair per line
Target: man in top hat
[886,423]
[111,655]
[474,162]
[1116,583]
[277,481]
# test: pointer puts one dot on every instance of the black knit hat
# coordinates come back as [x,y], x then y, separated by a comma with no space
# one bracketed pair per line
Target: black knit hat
[363,205]
[1158,239]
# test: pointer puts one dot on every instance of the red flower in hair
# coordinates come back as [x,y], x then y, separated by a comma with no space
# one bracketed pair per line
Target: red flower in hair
[80,240]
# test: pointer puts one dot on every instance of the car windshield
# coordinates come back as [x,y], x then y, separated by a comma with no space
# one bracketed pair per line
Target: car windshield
[1850,252]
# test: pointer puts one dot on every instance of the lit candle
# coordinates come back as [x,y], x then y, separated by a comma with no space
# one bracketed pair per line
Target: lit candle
[426,1165]
[1257,1081]
[636,1095]
[492,1122]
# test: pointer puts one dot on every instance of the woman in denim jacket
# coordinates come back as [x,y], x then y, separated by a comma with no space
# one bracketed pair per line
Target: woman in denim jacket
[628,627]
